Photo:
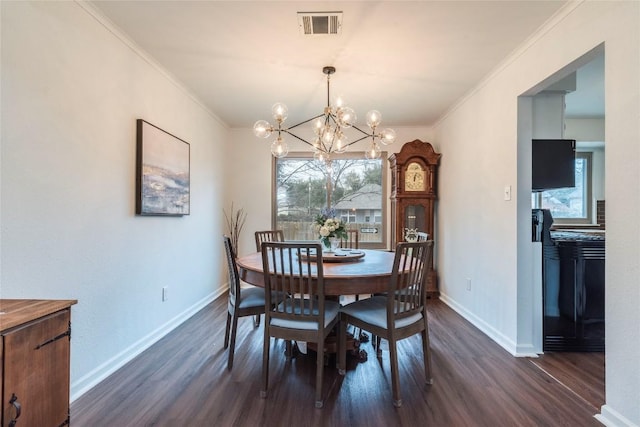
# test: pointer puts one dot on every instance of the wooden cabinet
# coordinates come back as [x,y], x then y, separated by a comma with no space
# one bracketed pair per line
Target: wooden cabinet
[413,194]
[34,362]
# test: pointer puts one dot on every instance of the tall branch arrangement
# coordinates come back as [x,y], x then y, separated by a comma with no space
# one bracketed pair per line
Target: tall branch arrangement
[235,222]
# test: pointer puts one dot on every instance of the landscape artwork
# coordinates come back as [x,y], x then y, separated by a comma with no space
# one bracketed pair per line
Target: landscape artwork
[162,178]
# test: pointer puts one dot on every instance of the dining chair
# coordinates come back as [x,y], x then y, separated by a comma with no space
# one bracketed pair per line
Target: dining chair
[296,270]
[398,314]
[242,302]
[352,241]
[268,236]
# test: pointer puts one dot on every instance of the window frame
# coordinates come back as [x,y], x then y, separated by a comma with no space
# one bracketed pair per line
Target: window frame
[356,155]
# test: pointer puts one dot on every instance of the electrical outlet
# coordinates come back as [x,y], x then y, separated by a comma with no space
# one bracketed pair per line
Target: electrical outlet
[165,293]
[468,284]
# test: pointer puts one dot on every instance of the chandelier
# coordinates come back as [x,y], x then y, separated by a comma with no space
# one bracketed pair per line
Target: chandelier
[329,129]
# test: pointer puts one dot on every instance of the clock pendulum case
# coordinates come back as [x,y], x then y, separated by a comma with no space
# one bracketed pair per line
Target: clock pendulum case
[413,195]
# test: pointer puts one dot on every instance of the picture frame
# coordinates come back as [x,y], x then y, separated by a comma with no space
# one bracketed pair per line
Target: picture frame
[162,172]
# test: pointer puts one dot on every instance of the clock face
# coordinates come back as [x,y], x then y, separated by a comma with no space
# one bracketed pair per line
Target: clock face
[414,178]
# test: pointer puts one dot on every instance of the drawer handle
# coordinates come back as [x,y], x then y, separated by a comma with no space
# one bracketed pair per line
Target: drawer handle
[14,401]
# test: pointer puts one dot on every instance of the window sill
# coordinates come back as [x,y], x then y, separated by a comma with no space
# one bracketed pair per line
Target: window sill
[577,226]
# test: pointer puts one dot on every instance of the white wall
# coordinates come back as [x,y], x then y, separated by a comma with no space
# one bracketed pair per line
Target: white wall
[589,135]
[486,238]
[71,93]
[585,129]
[597,175]
[250,186]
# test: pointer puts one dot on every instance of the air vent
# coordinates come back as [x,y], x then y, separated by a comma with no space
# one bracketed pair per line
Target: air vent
[320,23]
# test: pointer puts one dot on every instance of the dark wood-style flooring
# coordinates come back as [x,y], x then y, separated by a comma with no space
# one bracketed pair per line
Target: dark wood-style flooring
[183,381]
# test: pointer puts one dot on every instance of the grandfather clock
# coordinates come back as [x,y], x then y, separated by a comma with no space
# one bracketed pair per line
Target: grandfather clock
[413,194]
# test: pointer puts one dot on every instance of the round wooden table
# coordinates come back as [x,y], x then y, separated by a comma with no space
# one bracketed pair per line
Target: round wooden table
[367,275]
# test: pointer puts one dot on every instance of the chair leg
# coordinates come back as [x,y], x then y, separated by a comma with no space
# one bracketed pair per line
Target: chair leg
[395,378]
[342,347]
[378,349]
[232,344]
[426,351]
[265,362]
[288,350]
[257,320]
[226,333]
[319,371]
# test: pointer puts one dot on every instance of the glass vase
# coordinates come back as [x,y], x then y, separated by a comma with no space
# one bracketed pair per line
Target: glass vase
[333,243]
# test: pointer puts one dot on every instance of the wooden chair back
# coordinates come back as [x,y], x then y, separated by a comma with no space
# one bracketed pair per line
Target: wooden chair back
[408,280]
[268,236]
[234,279]
[294,269]
[352,241]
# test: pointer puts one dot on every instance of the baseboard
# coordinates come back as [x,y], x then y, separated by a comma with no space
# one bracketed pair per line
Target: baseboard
[612,418]
[527,350]
[501,339]
[94,377]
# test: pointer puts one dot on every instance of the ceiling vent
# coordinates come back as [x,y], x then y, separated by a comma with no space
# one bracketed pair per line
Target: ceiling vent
[320,23]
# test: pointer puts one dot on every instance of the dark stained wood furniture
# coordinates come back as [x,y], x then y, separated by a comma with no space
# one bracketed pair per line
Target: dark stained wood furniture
[369,274]
[34,361]
[242,302]
[268,236]
[413,195]
[301,312]
[403,307]
[352,242]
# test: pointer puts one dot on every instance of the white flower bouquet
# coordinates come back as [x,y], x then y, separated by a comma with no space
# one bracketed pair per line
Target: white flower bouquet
[329,227]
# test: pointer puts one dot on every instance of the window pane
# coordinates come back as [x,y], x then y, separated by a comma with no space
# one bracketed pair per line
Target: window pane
[356,192]
[569,202]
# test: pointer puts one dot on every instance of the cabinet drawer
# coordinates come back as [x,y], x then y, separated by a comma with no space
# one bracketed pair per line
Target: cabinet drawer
[36,371]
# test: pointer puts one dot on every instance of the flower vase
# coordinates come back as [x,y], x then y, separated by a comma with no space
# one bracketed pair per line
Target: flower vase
[334,242]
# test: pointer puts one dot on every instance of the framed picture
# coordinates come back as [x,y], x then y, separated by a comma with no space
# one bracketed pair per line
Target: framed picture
[162,172]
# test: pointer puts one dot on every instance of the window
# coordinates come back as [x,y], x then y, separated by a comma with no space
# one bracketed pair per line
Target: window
[347,215]
[570,205]
[352,186]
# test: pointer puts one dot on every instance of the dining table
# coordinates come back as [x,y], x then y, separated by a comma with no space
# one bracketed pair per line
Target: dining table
[364,271]
[346,272]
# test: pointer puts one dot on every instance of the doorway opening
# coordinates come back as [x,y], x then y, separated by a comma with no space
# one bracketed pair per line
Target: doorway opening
[567,105]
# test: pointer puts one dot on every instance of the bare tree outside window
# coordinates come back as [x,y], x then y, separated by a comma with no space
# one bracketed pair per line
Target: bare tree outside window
[351,185]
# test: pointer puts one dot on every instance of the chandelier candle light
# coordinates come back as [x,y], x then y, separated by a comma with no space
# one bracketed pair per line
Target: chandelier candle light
[328,128]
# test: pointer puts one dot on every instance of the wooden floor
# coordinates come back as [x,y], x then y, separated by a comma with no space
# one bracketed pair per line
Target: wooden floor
[582,373]
[183,381]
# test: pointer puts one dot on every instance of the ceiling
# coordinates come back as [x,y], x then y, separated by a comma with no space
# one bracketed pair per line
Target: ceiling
[411,60]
